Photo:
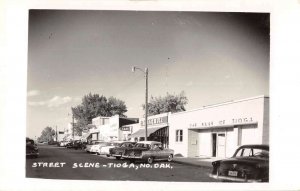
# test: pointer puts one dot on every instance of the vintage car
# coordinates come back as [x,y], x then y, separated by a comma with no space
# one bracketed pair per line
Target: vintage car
[117,152]
[90,144]
[96,148]
[31,148]
[105,150]
[250,163]
[148,151]
[63,143]
[79,144]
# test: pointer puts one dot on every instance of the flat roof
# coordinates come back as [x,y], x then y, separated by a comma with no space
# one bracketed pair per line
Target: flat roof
[222,103]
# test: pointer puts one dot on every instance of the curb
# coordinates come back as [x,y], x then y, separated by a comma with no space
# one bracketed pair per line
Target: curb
[192,164]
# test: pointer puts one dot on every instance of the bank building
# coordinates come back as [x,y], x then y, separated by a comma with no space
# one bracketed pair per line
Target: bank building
[217,130]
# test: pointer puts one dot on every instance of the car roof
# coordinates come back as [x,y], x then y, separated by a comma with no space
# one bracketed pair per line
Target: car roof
[259,146]
[149,142]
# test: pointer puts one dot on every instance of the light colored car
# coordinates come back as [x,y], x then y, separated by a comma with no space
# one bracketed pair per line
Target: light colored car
[104,150]
[148,151]
[63,143]
[96,147]
[91,145]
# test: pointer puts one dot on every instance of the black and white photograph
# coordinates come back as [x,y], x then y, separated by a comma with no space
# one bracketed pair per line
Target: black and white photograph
[148,96]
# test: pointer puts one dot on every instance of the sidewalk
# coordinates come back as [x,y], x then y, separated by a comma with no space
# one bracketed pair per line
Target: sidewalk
[196,161]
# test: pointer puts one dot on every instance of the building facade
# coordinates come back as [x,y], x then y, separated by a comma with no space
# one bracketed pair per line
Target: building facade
[157,129]
[217,130]
[109,128]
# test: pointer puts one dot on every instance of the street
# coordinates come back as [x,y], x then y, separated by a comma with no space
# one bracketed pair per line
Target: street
[61,163]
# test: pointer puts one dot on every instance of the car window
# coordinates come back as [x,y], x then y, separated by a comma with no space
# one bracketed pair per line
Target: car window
[252,152]
[157,146]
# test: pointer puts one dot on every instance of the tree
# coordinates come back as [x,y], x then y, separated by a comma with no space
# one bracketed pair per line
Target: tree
[93,106]
[47,135]
[170,103]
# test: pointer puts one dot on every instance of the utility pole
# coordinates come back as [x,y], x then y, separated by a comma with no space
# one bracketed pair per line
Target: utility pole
[146,99]
[146,105]
[73,125]
[56,132]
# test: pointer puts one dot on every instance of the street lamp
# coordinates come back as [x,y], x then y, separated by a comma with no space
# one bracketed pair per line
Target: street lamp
[146,100]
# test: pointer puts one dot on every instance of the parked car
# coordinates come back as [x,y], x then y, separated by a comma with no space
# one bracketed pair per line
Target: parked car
[79,145]
[69,145]
[52,142]
[148,151]
[119,151]
[96,148]
[31,148]
[63,143]
[250,163]
[104,150]
[91,144]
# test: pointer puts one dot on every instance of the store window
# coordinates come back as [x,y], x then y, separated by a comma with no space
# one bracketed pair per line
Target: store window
[179,135]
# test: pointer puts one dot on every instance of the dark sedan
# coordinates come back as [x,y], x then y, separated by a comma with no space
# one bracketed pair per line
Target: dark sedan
[31,148]
[119,151]
[250,163]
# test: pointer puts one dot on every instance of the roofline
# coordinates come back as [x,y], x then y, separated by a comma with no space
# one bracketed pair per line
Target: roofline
[223,103]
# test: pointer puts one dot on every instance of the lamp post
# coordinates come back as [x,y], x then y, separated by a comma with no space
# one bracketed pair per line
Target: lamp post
[146,97]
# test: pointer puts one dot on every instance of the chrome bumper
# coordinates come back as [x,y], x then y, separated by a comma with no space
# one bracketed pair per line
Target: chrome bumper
[234,179]
[132,157]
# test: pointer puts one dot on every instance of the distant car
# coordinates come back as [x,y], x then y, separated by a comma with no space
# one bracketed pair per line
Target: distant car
[148,151]
[69,145]
[31,148]
[91,144]
[79,145]
[250,163]
[63,143]
[52,142]
[117,152]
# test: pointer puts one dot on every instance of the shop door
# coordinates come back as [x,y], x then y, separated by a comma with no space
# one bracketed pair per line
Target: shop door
[193,143]
[221,145]
[214,144]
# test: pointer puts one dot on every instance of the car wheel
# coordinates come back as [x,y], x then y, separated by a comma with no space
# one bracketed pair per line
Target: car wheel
[108,155]
[170,158]
[118,158]
[150,160]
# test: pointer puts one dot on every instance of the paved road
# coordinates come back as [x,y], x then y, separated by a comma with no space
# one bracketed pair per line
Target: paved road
[61,163]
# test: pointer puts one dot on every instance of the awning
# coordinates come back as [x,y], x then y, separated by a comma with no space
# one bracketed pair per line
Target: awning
[141,132]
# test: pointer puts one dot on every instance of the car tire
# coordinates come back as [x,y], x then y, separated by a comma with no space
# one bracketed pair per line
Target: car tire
[150,160]
[118,158]
[98,153]
[170,158]
[108,155]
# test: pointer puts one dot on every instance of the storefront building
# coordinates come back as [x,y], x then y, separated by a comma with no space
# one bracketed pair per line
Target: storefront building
[157,129]
[109,128]
[217,130]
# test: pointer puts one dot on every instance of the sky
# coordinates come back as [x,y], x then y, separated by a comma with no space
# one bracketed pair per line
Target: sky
[212,57]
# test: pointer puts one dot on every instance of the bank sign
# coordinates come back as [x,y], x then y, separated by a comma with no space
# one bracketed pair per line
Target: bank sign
[222,122]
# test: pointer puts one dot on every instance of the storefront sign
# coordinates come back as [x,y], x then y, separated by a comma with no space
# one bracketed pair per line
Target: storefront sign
[234,121]
[155,121]
[125,128]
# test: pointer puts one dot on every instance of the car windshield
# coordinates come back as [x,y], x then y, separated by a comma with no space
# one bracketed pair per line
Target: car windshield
[252,152]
